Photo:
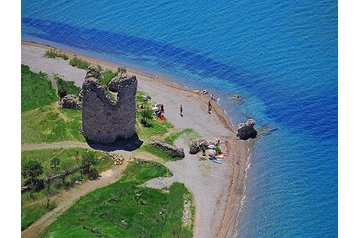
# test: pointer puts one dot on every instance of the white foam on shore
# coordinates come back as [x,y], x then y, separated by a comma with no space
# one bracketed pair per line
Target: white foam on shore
[243,198]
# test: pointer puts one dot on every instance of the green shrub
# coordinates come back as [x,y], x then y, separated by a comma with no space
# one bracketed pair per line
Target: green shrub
[107,76]
[55,54]
[79,63]
[66,86]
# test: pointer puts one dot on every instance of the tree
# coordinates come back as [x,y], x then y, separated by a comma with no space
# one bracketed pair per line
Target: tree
[55,162]
[122,71]
[88,159]
[146,115]
[93,174]
[31,170]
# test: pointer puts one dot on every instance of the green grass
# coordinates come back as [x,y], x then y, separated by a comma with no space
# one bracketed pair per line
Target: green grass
[79,63]
[55,54]
[32,213]
[68,86]
[33,206]
[188,133]
[36,90]
[51,124]
[157,129]
[148,212]
[107,76]
[139,99]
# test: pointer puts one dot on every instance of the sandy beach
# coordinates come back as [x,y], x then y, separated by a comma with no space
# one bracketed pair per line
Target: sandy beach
[218,189]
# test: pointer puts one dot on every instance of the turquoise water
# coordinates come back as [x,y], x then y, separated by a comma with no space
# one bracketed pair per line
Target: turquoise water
[280,55]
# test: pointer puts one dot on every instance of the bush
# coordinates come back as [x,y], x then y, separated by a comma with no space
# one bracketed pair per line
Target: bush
[146,114]
[79,63]
[66,86]
[55,54]
[107,76]
[93,174]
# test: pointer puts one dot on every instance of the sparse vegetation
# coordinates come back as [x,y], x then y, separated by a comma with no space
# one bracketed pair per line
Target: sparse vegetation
[53,53]
[187,132]
[107,76]
[66,86]
[36,90]
[79,63]
[127,208]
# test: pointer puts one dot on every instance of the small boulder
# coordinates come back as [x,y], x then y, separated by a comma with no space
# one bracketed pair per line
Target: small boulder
[70,101]
[198,145]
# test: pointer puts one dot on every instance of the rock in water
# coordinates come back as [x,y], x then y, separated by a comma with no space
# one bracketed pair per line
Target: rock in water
[246,130]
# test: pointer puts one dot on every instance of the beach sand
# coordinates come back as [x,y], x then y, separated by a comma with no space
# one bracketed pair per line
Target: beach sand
[218,189]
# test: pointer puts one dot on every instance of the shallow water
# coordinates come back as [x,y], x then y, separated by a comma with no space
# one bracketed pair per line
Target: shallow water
[280,56]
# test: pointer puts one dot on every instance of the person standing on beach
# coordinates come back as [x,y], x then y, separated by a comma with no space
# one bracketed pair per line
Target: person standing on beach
[209,107]
[181,110]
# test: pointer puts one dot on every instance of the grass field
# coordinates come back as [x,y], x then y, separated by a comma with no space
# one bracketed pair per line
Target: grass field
[33,205]
[51,124]
[127,208]
[36,90]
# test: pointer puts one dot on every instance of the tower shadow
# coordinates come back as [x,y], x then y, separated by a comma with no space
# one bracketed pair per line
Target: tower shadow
[130,144]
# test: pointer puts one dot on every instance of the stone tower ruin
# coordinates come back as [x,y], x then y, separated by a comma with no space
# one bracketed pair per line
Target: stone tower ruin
[105,120]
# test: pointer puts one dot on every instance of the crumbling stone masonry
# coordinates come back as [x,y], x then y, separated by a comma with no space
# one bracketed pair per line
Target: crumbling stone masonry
[104,120]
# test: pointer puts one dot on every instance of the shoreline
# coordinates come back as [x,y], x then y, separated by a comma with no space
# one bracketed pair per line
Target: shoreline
[230,205]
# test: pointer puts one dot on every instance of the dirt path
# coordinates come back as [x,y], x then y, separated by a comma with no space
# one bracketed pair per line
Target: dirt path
[58,145]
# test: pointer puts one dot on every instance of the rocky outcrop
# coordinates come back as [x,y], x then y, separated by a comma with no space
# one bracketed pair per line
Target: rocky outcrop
[173,151]
[93,72]
[117,83]
[103,120]
[70,101]
[247,130]
[198,145]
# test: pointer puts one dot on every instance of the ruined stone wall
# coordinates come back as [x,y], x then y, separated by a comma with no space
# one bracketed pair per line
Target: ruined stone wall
[103,120]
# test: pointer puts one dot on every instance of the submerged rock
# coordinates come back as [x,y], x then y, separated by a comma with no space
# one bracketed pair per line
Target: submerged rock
[247,130]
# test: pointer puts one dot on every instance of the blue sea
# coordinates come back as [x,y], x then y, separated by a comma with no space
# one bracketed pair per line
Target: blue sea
[281,56]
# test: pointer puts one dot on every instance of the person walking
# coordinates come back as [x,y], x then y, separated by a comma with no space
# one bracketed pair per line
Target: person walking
[181,110]
[209,107]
